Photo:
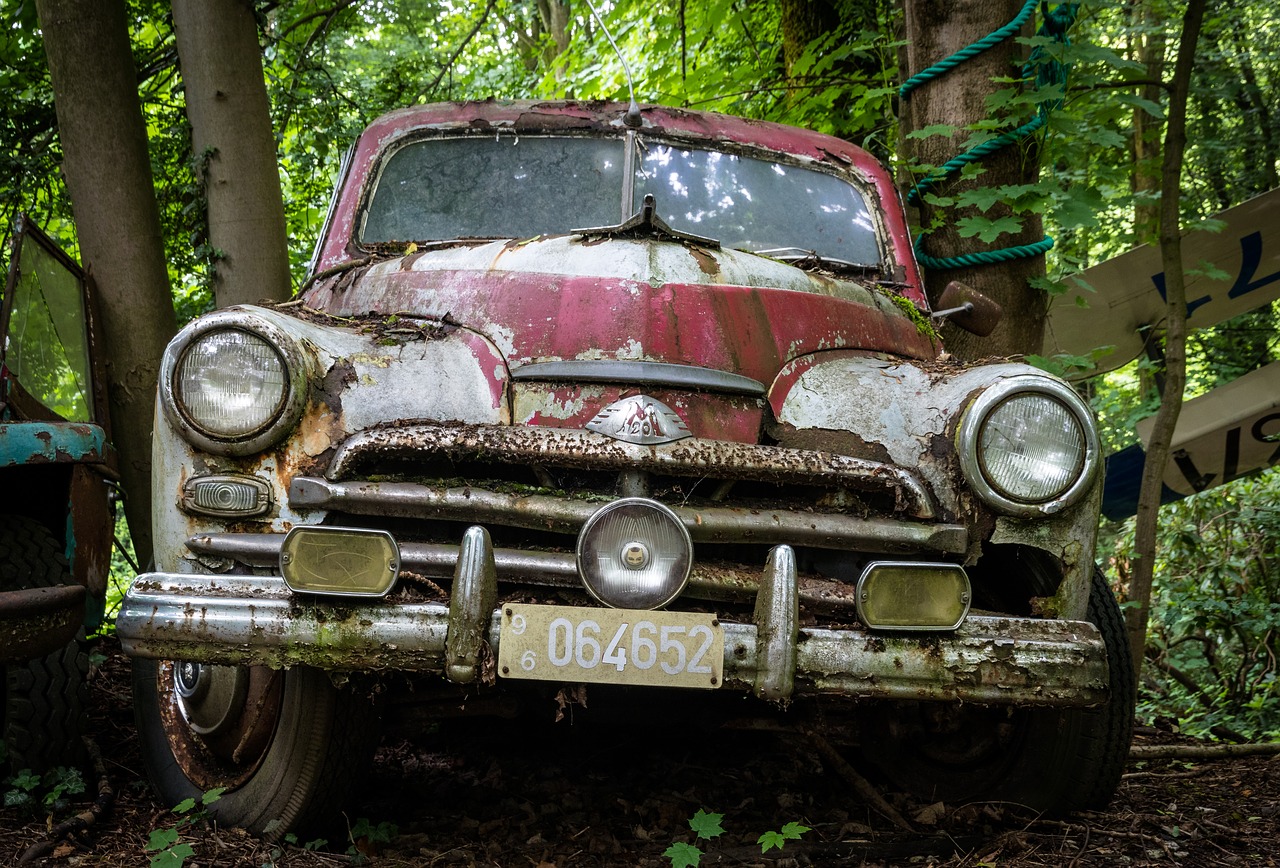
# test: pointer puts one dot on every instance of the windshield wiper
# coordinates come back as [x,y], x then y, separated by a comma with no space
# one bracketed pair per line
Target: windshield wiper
[398,247]
[646,223]
[800,257]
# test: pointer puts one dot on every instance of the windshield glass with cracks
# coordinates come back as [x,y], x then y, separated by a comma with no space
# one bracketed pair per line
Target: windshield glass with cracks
[518,187]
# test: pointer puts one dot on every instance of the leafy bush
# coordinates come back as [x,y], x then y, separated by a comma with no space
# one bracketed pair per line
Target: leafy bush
[1213,645]
[25,789]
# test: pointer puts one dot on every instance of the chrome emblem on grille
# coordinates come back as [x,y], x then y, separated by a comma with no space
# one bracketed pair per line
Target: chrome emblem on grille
[640,419]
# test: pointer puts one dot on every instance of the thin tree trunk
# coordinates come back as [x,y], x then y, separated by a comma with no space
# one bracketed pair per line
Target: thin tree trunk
[1148,23]
[1157,451]
[108,172]
[935,30]
[232,139]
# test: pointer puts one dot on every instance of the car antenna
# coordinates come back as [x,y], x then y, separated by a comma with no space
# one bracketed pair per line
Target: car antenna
[632,117]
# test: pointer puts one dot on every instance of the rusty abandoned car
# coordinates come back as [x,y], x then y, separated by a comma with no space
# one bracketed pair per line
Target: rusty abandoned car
[57,467]
[644,400]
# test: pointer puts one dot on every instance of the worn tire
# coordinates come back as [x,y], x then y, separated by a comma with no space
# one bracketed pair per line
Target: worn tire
[1050,760]
[320,746]
[44,699]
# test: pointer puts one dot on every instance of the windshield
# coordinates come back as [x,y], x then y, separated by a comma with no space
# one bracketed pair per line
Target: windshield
[517,187]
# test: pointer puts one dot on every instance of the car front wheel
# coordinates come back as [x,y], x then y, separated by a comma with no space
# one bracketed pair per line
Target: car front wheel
[1051,760]
[286,746]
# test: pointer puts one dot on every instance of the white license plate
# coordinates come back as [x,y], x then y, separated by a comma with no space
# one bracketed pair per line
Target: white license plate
[611,646]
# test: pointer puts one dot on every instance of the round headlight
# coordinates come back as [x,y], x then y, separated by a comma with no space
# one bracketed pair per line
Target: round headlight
[1031,448]
[1028,445]
[234,382]
[634,554]
[230,384]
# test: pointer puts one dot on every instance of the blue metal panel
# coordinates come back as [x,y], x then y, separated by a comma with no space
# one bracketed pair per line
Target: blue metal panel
[23,443]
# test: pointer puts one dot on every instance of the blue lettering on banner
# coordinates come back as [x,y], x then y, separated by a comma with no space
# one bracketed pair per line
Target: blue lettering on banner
[1251,258]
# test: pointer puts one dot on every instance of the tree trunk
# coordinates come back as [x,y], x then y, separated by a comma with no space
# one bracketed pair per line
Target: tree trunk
[936,30]
[108,173]
[1148,25]
[232,138]
[1175,355]
[554,20]
[803,21]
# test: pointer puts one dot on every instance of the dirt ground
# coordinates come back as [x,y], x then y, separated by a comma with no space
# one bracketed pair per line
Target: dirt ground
[572,794]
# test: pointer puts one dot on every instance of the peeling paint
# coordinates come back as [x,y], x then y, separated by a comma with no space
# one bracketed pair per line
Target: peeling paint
[424,404]
[23,443]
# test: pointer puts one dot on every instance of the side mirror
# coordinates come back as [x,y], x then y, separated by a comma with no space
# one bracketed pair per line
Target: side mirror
[968,309]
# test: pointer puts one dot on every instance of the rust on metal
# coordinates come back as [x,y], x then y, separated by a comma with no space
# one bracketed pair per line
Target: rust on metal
[585,449]
[707,581]
[251,620]
[709,524]
[37,621]
[475,589]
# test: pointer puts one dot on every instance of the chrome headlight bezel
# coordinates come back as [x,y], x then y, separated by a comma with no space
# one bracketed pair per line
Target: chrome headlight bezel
[980,410]
[284,416]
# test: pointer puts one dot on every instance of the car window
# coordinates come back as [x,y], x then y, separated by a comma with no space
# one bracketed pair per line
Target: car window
[502,187]
[46,348]
[757,205]
[521,186]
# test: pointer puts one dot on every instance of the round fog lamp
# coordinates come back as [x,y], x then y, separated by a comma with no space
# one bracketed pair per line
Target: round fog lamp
[634,554]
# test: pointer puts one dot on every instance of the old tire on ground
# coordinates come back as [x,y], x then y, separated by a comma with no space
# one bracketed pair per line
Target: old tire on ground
[1050,760]
[288,746]
[44,699]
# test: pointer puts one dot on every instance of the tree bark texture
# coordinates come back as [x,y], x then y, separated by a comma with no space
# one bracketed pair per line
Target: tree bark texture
[803,21]
[1175,350]
[108,174]
[935,30]
[1148,29]
[233,141]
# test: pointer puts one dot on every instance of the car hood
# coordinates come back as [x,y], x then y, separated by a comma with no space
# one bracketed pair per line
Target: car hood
[575,298]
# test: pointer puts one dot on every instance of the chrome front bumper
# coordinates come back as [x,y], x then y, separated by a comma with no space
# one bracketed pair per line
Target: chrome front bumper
[257,620]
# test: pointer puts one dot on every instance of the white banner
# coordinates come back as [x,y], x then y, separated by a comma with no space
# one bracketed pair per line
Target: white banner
[1130,288]
[1227,433]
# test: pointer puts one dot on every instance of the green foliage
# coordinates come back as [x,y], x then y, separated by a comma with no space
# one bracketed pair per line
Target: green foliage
[683,855]
[365,837]
[706,826]
[27,790]
[123,568]
[790,832]
[169,850]
[987,230]
[1214,641]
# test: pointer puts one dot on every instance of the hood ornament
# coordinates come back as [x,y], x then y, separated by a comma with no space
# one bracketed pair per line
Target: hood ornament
[641,420]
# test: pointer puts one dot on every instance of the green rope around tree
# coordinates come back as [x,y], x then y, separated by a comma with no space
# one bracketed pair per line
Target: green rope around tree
[1048,72]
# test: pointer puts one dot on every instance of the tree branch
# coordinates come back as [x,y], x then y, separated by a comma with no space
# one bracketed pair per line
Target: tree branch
[1198,692]
[1202,751]
[320,13]
[457,51]
[1158,446]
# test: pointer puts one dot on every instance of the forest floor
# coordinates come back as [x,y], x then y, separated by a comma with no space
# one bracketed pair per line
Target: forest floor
[578,795]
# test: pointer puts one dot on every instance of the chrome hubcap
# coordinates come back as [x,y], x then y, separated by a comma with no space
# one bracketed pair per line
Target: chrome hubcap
[211,698]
